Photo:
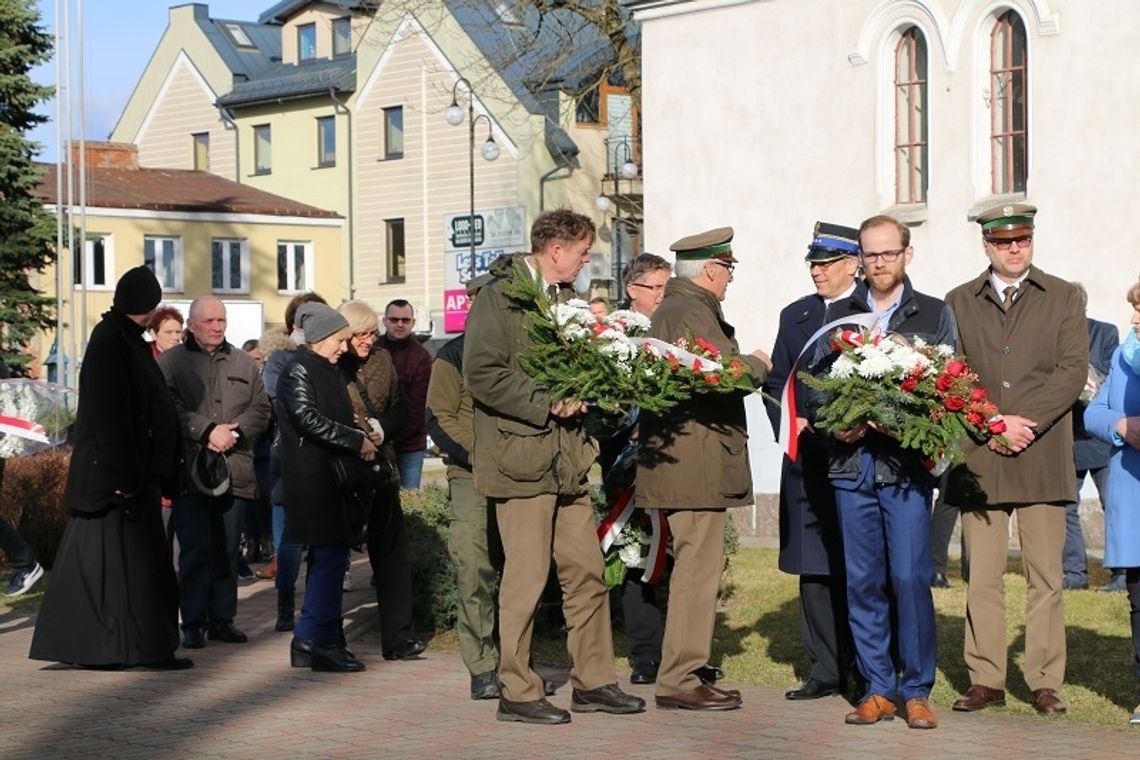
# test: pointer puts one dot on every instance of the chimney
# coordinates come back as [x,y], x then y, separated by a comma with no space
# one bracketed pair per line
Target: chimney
[107,155]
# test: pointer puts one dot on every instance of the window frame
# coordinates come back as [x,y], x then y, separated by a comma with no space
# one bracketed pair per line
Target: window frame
[396,262]
[88,263]
[1003,138]
[200,146]
[179,262]
[343,20]
[387,114]
[917,116]
[290,270]
[238,35]
[326,123]
[244,264]
[302,30]
[262,160]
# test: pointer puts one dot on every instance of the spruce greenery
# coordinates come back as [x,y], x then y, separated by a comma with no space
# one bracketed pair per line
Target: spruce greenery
[27,231]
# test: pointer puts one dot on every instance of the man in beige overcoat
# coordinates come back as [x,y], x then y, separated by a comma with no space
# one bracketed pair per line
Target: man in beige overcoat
[1023,331]
[693,462]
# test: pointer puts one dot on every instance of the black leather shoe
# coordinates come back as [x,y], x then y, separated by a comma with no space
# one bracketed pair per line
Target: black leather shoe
[226,633]
[538,711]
[812,689]
[300,653]
[193,638]
[406,651]
[485,686]
[334,660]
[174,663]
[709,674]
[940,581]
[607,699]
[644,673]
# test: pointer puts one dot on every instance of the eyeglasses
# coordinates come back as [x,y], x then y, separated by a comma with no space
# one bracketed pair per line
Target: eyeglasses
[366,335]
[400,320]
[1004,244]
[888,257]
[647,287]
[825,264]
[730,267]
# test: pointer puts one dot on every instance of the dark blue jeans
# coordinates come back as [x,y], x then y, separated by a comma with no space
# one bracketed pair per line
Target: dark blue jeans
[1074,560]
[320,613]
[288,555]
[209,534]
[20,555]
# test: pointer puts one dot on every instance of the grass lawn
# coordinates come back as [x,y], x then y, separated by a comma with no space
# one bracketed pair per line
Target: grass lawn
[757,640]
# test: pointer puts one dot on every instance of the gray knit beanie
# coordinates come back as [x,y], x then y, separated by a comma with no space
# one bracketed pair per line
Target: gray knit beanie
[318,321]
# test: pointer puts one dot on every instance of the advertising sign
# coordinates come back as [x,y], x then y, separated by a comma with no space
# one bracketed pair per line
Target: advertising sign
[497,231]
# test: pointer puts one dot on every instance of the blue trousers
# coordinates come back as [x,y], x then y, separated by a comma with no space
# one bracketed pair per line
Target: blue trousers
[886,544]
[411,467]
[288,555]
[320,612]
[208,534]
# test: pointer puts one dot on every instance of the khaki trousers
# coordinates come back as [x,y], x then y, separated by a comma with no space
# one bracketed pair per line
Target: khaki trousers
[475,553]
[1041,528]
[698,554]
[534,531]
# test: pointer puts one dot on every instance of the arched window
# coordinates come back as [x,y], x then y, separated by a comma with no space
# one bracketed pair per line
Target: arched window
[1009,129]
[911,160]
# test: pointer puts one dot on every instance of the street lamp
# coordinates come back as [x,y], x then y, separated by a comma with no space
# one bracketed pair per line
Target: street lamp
[627,170]
[490,150]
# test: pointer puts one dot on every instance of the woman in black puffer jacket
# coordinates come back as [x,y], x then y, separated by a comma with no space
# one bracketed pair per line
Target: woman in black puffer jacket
[316,428]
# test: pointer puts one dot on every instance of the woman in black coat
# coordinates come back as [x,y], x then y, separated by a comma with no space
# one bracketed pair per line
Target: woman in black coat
[113,599]
[316,429]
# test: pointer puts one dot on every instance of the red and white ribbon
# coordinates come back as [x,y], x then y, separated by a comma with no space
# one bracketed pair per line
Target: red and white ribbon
[789,436]
[610,527]
[658,546]
[22,428]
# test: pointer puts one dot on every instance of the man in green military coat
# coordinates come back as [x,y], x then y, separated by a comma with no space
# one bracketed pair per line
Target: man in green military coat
[1023,331]
[693,462]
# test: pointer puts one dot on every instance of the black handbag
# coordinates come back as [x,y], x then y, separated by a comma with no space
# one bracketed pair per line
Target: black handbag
[358,482]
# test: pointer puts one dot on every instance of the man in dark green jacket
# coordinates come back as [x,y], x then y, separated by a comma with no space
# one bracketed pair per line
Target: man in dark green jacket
[531,459]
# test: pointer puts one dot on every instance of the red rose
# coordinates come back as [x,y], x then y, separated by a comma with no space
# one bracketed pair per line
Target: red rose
[836,346]
[975,419]
[956,368]
[712,379]
[943,382]
[954,403]
[997,427]
[909,385]
[978,394]
[696,365]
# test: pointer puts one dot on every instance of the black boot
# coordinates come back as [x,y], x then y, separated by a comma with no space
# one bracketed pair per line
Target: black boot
[284,610]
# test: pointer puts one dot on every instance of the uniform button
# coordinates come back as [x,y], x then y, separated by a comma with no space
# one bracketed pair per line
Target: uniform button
[1005,350]
[1004,383]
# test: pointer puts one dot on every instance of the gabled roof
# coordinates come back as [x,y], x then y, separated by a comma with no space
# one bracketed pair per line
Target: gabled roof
[288,81]
[284,10]
[245,62]
[176,190]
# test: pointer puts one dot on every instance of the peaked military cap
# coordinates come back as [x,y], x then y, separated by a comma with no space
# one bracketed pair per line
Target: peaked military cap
[714,244]
[832,241]
[1009,220]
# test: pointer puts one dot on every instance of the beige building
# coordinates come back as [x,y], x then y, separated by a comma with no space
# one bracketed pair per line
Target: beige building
[343,107]
[199,232]
[926,109]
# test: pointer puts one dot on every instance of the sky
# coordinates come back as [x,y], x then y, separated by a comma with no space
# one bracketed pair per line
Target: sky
[119,37]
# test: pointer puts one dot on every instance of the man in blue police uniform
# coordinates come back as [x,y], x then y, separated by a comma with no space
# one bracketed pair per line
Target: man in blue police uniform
[811,545]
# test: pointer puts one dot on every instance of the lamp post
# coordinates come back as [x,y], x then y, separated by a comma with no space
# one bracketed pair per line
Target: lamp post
[489,151]
[628,170]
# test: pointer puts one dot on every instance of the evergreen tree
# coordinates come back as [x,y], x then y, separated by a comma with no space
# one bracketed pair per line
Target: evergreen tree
[27,231]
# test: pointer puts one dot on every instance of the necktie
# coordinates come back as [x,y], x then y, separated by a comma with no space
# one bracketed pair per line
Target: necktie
[1008,296]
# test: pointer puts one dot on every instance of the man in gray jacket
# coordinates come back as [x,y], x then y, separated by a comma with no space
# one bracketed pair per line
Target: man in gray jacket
[222,408]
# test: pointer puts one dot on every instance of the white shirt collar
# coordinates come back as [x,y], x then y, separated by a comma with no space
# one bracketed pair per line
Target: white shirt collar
[844,294]
[1000,285]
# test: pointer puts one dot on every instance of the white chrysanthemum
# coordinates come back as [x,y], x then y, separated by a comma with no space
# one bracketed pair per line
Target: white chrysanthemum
[875,363]
[919,342]
[843,367]
[574,331]
[944,350]
[631,555]
[578,303]
[567,313]
[630,319]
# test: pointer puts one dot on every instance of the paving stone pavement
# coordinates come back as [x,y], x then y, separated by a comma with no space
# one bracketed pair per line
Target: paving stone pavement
[244,701]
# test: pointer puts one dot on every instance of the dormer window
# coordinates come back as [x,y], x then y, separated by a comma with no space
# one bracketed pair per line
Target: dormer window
[237,35]
[306,42]
[342,36]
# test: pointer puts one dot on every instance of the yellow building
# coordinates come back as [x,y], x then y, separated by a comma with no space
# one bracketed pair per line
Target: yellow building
[199,232]
[343,106]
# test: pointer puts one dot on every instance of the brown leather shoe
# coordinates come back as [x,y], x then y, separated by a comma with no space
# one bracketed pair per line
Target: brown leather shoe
[978,697]
[269,572]
[1046,702]
[919,714]
[872,709]
[700,698]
